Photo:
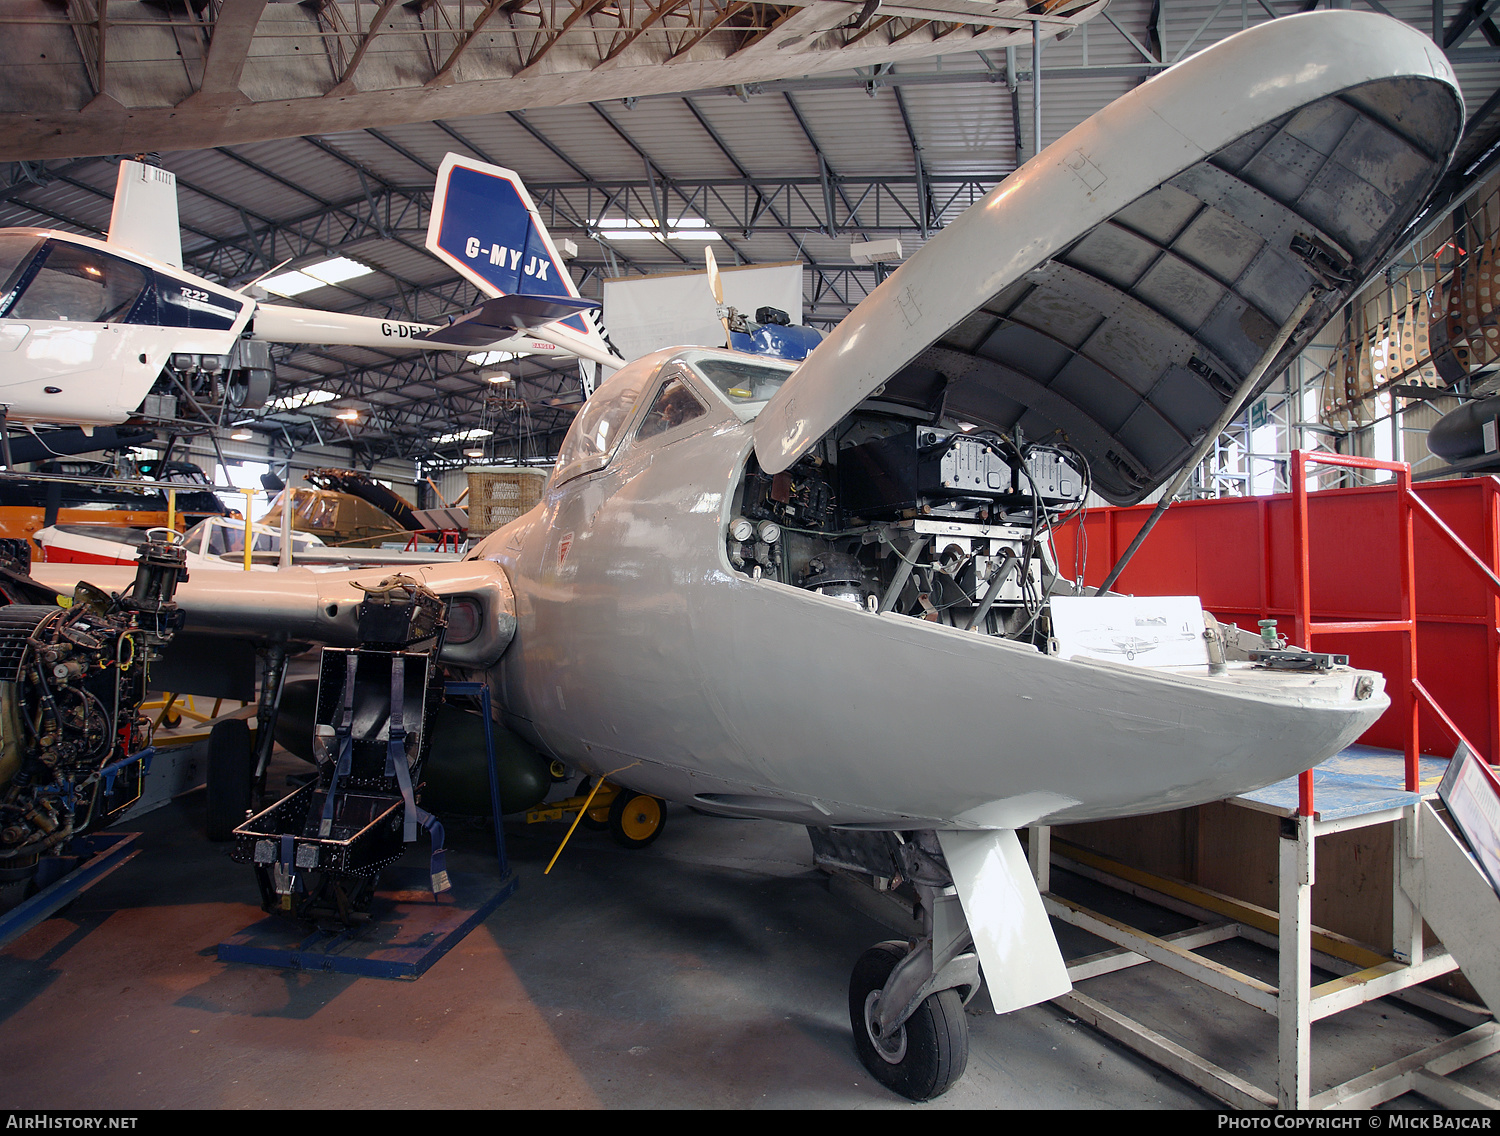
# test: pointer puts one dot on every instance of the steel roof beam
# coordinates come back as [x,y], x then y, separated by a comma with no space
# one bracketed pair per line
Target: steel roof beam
[930,217]
[826,173]
[1478,14]
[762,203]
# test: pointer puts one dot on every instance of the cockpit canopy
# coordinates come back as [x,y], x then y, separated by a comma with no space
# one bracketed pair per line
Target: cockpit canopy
[744,383]
[47,278]
[219,536]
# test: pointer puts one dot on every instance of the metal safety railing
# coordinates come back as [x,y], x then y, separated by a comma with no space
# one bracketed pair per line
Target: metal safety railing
[442,540]
[1410,695]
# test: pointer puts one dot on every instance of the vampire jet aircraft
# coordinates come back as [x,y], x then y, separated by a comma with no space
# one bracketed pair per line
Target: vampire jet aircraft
[87,326]
[822,592]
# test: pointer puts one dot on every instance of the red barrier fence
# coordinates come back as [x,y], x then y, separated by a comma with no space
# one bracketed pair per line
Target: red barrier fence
[1373,561]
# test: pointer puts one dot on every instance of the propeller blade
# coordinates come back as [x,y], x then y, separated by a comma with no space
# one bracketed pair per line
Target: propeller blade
[715,282]
[716,286]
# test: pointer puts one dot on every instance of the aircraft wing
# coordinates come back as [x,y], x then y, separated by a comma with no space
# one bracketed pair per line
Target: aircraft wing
[303,606]
[1119,287]
[503,316]
[280,323]
[324,555]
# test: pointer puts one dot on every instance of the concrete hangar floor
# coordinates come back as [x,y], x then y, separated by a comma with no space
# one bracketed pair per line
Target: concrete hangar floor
[706,971]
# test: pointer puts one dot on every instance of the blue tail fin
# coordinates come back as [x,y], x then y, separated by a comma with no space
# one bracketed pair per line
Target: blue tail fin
[485,226]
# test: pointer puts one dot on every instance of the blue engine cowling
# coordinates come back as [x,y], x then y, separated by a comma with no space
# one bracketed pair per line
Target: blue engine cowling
[781,341]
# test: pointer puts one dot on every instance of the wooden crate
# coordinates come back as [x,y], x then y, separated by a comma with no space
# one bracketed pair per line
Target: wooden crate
[500,494]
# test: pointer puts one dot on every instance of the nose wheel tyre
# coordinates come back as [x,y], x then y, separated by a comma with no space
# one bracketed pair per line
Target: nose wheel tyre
[922,1058]
[635,820]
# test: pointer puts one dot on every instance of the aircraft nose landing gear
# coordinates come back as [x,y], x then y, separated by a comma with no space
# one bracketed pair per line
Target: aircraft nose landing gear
[906,1001]
[925,1054]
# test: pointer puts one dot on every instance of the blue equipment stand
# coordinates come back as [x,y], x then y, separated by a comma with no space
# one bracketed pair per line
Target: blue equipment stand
[62,879]
[409,928]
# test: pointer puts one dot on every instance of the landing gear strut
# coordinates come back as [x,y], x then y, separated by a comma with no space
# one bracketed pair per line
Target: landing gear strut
[906,1000]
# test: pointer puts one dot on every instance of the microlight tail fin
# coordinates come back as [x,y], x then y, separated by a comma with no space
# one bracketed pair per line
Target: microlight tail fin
[485,227]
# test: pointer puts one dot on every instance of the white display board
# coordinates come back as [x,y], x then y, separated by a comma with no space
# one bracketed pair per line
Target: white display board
[1473,801]
[647,313]
[1148,631]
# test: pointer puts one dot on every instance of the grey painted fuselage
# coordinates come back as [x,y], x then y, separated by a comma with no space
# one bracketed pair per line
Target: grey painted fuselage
[641,654]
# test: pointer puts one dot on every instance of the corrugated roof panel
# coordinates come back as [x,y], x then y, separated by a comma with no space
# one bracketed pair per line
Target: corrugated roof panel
[505,142]
[414,264]
[964,130]
[210,181]
[366,150]
[584,136]
[762,132]
[676,141]
[62,206]
[423,141]
[1477,81]
[304,165]
[857,134]
[1068,101]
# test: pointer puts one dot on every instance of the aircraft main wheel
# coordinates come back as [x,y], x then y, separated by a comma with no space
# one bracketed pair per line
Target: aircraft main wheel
[231,765]
[635,820]
[928,1053]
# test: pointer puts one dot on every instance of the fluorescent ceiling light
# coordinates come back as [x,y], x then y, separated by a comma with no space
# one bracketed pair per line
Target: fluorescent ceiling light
[350,415]
[497,377]
[290,283]
[678,229]
[241,436]
[473,453]
[320,275]
[462,435]
[299,399]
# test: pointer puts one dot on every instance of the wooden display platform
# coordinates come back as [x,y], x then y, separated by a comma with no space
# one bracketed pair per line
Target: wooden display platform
[1358,788]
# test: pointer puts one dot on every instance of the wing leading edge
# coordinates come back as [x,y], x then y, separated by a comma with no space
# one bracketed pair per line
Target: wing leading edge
[1121,285]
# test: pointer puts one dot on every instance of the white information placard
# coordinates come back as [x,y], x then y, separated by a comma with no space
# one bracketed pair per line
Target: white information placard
[1148,631]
